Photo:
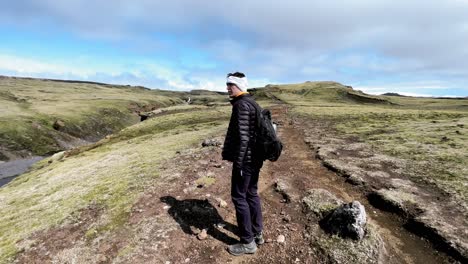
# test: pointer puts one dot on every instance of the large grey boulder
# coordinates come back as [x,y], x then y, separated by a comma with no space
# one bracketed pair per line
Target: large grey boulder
[348,220]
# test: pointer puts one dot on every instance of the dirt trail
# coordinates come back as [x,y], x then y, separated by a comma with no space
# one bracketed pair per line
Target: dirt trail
[163,224]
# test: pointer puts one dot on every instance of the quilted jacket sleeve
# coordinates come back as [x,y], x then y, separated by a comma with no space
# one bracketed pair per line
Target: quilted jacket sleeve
[243,129]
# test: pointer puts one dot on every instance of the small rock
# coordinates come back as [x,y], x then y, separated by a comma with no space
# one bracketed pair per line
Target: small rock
[281,239]
[268,240]
[355,179]
[203,235]
[166,207]
[187,260]
[297,260]
[284,189]
[211,142]
[221,203]
[58,124]
[287,219]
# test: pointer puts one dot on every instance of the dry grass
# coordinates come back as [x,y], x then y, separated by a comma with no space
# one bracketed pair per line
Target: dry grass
[112,174]
[432,133]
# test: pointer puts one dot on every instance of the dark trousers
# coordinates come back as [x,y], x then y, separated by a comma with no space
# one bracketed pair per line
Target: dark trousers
[246,201]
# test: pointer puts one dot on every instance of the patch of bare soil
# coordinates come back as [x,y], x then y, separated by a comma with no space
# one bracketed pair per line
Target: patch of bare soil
[186,216]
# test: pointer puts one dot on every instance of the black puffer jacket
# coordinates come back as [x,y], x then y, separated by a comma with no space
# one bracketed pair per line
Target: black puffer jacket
[240,138]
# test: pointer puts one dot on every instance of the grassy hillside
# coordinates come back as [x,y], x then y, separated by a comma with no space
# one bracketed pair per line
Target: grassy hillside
[79,111]
[111,173]
[430,132]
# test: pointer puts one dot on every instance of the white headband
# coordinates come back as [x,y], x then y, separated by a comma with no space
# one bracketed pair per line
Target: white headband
[241,83]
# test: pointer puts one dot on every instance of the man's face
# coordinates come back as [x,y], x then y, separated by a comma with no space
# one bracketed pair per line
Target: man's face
[232,89]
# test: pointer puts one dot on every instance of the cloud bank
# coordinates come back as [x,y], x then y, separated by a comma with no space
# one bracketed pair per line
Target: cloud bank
[363,42]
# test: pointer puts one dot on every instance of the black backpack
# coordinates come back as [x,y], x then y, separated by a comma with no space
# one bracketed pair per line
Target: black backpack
[267,144]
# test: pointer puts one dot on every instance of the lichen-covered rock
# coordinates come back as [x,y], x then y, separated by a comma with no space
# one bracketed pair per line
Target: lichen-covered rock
[320,202]
[348,220]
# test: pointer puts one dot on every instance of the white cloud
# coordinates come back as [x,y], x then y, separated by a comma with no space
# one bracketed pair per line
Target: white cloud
[28,66]
[288,41]
[142,73]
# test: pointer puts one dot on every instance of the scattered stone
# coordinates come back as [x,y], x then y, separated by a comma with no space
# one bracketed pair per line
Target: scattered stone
[166,207]
[57,156]
[202,235]
[281,239]
[211,142]
[348,220]
[58,125]
[268,240]
[284,190]
[187,260]
[220,225]
[355,179]
[287,219]
[221,203]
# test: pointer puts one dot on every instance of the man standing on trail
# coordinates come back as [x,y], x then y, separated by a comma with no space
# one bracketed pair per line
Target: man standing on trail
[239,149]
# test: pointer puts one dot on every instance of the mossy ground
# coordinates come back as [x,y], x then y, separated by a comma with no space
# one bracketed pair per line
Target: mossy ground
[428,131]
[29,108]
[111,174]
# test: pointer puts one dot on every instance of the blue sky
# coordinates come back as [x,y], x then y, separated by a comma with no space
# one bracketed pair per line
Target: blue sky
[410,47]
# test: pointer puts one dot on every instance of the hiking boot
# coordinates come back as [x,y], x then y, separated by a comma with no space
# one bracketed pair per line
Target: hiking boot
[259,239]
[240,249]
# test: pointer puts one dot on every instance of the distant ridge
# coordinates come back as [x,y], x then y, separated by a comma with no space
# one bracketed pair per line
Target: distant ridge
[70,81]
[394,94]
[435,97]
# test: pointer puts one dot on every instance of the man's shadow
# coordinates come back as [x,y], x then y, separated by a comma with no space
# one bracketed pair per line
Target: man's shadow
[199,214]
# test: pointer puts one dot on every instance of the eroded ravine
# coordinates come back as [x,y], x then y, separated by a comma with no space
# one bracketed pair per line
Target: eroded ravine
[305,172]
